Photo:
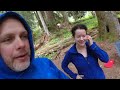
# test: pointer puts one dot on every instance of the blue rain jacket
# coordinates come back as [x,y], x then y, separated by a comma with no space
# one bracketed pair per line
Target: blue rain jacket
[88,67]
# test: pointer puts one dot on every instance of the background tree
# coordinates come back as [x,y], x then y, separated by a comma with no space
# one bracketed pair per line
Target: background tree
[50,20]
[65,16]
[37,16]
[76,14]
[29,17]
[108,23]
[43,23]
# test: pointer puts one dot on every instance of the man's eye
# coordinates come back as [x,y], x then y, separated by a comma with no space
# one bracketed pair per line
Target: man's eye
[24,36]
[7,40]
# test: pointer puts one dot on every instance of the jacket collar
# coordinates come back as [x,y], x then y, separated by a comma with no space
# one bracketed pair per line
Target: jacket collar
[74,50]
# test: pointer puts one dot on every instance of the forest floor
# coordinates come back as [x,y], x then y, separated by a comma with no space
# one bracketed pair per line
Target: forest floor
[111,73]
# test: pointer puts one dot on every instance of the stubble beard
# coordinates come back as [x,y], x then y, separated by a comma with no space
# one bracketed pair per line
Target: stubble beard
[21,66]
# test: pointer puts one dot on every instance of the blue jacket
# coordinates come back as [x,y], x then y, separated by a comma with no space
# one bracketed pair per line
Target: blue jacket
[87,67]
[40,68]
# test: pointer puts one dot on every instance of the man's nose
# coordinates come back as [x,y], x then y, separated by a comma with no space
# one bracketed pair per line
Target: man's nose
[19,43]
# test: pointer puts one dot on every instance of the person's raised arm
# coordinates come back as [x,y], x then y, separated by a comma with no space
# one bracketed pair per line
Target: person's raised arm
[101,54]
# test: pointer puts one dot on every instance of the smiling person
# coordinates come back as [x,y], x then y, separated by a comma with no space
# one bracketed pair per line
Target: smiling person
[84,54]
[17,59]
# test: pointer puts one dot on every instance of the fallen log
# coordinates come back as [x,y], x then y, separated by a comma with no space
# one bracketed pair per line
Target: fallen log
[53,48]
[42,41]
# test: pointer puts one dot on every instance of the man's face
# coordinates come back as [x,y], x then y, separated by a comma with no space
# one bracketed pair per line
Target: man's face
[14,45]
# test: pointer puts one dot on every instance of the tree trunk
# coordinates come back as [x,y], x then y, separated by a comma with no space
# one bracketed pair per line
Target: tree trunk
[43,23]
[37,16]
[65,16]
[49,16]
[101,22]
[113,23]
[108,22]
[50,20]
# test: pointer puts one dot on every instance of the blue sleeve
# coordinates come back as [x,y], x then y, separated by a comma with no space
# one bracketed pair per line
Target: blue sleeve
[59,73]
[65,63]
[101,54]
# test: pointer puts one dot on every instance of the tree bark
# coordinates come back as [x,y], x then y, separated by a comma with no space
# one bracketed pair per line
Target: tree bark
[43,23]
[49,16]
[37,16]
[65,16]
[108,22]
[50,20]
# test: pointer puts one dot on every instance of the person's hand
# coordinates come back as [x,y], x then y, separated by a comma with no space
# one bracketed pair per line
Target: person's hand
[78,77]
[89,38]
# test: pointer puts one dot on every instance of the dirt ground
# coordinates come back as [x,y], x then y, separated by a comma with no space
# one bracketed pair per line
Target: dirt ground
[111,73]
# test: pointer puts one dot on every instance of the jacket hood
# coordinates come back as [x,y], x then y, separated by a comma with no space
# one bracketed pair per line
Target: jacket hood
[27,27]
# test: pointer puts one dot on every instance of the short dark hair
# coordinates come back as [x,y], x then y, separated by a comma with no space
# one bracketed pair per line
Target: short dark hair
[78,26]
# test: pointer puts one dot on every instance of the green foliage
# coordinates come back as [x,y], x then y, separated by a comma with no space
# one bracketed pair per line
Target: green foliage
[88,15]
[118,14]
[76,14]
[58,17]
[29,17]
[52,26]
[111,37]
[54,40]
[36,33]
[98,39]
[66,34]
[86,18]
[60,35]
[50,56]
[85,15]
[90,22]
